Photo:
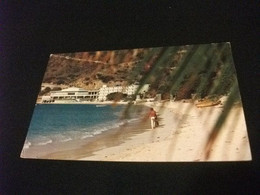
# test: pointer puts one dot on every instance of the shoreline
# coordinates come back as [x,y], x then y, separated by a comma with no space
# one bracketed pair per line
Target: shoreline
[72,149]
[181,137]
[97,103]
[77,149]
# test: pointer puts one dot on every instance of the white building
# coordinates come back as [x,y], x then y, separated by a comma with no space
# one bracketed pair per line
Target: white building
[73,93]
[104,91]
[129,90]
[46,99]
[78,94]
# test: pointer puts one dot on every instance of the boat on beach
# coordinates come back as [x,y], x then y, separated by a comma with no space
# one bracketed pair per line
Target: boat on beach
[207,103]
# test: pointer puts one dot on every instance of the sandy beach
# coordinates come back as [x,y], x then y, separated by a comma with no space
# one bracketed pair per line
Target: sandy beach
[182,136]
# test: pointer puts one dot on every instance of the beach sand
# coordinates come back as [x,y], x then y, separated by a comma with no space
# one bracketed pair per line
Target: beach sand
[182,136]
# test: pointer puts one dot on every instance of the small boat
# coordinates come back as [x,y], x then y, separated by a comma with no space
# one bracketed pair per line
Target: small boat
[207,103]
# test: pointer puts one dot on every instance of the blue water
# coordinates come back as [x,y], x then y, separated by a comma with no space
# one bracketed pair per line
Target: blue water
[65,122]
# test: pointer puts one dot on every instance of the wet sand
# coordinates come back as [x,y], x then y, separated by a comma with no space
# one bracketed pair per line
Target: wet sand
[76,149]
[181,136]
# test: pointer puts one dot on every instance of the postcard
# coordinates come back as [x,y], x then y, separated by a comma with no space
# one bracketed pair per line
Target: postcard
[160,104]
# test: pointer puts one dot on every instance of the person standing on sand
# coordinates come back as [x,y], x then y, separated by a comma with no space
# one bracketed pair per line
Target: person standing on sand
[152,116]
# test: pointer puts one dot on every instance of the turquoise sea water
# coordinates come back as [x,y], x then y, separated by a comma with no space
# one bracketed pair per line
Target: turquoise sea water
[59,123]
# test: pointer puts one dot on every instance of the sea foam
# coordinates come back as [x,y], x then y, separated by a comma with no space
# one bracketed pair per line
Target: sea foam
[27,145]
[45,143]
[66,139]
[63,123]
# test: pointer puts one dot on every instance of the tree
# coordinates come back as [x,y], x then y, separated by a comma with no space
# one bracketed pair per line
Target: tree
[203,70]
[56,89]
[116,96]
[45,91]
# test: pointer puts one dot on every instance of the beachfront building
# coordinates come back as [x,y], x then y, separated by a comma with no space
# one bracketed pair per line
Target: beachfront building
[46,99]
[104,91]
[73,93]
[129,90]
[144,88]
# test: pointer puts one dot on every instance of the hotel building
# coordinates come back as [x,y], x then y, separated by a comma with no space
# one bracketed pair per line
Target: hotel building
[71,94]
[74,94]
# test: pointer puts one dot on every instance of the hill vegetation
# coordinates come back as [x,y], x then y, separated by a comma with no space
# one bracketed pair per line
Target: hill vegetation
[180,71]
[91,70]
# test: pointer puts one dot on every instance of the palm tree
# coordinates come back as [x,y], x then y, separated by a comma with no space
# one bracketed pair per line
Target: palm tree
[204,70]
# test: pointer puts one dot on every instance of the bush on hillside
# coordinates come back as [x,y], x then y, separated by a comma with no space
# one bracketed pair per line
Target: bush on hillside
[45,91]
[116,96]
